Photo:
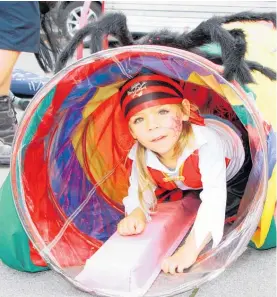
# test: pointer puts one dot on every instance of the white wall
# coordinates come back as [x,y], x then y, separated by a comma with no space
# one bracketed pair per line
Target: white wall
[146,16]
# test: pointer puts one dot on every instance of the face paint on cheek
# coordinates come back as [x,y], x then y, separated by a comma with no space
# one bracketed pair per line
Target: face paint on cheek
[176,125]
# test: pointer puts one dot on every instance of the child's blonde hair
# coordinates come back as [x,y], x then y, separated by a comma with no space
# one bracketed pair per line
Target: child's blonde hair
[145,180]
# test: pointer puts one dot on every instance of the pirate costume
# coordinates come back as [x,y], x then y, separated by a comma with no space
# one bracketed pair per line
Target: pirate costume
[216,157]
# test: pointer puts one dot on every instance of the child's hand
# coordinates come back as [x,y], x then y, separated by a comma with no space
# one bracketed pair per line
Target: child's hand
[133,224]
[185,255]
[182,259]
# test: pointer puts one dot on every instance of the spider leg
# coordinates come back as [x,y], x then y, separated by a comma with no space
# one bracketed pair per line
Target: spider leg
[110,24]
[250,16]
[234,63]
[68,52]
[233,48]
[114,24]
[233,44]
[266,71]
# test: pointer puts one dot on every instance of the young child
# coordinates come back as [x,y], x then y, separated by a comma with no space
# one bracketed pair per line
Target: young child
[177,149]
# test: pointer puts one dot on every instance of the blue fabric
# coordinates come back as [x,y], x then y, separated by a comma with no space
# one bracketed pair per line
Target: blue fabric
[26,83]
[20,26]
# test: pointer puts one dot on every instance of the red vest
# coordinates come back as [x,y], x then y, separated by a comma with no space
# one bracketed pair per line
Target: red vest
[189,174]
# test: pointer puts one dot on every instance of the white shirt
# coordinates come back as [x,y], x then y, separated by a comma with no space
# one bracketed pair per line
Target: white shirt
[215,142]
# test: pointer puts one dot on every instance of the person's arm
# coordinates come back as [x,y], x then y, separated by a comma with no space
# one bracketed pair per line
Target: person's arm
[211,214]
[131,202]
[135,217]
[209,223]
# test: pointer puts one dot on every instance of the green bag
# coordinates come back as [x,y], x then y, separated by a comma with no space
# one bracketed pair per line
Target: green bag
[14,243]
[270,241]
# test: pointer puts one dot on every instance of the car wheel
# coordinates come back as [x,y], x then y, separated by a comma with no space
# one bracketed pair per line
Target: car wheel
[71,16]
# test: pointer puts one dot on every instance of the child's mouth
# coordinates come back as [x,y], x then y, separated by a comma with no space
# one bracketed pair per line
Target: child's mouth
[158,138]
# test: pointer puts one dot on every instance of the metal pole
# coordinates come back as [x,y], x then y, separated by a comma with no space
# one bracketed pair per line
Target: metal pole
[82,23]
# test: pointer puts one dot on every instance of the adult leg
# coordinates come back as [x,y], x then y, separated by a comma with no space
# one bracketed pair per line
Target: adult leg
[8,120]
[7,61]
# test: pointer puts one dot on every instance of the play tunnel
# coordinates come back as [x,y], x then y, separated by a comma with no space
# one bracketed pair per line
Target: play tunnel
[68,170]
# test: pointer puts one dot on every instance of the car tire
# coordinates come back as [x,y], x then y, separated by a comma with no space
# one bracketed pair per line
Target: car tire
[67,15]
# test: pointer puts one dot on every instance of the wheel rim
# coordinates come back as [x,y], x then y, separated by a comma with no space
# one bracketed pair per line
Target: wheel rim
[73,20]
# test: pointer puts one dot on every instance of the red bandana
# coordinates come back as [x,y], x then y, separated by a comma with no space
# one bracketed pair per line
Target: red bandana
[150,90]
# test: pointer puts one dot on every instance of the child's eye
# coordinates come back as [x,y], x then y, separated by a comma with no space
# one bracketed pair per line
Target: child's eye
[163,111]
[138,120]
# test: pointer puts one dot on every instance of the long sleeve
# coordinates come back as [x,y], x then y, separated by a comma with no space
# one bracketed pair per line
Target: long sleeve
[131,202]
[211,214]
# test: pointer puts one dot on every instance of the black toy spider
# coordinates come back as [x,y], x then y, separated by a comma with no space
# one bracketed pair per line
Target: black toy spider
[232,42]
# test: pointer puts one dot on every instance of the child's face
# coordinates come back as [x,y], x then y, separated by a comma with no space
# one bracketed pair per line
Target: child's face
[158,128]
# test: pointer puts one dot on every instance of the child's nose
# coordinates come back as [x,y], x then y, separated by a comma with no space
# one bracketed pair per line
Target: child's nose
[152,123]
